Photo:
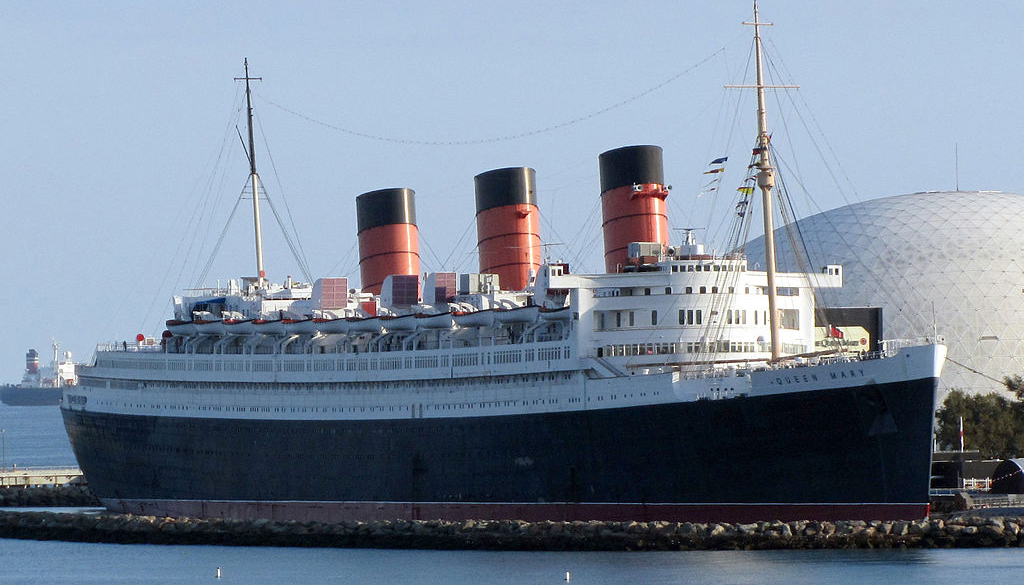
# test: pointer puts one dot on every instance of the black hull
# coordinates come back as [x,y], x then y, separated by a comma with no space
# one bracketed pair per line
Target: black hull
[28,396]
[859,452]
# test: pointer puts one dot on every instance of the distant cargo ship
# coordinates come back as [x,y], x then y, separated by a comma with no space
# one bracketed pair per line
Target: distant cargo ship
[40,387]
[678,385]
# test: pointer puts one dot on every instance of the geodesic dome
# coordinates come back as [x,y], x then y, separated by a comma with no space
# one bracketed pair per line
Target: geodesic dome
[939,262]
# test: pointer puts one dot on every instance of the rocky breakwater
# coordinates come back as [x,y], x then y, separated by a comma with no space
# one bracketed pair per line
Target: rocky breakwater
[515,535]
[71,495]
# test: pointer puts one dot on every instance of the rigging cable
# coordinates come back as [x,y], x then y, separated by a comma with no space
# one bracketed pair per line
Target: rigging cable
[970,369]
[864,225]
[345,260]
[291,245]
[195,220]
[299,253]
[507,137]
[458,245]
[220,240]
[210,201]
[584,238]
[423,239]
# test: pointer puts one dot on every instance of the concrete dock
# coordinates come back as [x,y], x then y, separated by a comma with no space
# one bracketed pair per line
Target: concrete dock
[25,477]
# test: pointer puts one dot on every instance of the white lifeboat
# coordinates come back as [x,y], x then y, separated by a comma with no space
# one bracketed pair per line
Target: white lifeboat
[561,314]
[239,327]
[367,325]
[474,318]
[209,327]
[439,321]
[300,326]
[517,315]
[331,326]
[269,327]
[401,323]
[184,328]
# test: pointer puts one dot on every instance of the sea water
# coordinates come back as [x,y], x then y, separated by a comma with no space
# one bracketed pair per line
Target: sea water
[35,437]
[32,562]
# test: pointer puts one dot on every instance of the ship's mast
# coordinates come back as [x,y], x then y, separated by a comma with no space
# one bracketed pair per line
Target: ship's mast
[254,176]
[766,181]
[56,364]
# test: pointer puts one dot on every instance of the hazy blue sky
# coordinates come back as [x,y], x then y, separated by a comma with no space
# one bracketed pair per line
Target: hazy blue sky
[120,161]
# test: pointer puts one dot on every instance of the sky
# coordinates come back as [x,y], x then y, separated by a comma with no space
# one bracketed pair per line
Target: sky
[121,157]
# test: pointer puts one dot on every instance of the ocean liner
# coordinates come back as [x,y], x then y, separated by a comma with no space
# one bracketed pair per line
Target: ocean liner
[677,385]
[41,386]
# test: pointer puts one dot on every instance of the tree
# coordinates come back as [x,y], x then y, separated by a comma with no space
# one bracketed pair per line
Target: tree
[1015,385]
[993,424]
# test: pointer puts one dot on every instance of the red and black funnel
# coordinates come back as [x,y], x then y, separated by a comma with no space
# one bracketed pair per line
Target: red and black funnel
[632,201]
[508,225]
[388,236]
[32,361]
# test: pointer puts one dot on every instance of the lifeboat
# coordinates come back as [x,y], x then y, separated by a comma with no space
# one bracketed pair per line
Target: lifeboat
[209,327]
[439,321]
[402,323]
[517,315]
[474,318]
[331,326]
[181,327]
[239,327]
[300,326]
[269,327]
[367,325]
[561,314]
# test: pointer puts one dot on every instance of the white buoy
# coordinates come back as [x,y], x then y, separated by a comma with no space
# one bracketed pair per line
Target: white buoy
[218,572]
[568,576]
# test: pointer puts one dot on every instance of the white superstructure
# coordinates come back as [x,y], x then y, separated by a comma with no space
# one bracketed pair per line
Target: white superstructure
[691,326]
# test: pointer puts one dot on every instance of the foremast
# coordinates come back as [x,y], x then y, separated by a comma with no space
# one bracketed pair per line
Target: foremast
[254,176]
[766,181]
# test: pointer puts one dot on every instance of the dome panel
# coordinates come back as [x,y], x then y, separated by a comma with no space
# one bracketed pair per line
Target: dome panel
[945,262]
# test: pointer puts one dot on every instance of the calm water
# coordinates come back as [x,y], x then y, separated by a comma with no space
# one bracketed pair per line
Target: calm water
[29,562]
[35,437]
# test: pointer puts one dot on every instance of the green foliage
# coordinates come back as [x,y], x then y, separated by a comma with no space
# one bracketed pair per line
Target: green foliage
[993,424]
[1015,385]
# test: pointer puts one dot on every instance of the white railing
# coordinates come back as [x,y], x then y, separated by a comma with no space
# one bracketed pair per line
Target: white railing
[978,483]
[502,359]
[892,346]
[129,346]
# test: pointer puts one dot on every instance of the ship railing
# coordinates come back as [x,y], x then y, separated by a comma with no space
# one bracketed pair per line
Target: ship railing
[130,346]
[981,499]
[30,468]
[498,360]
[978,483]
[890,347]
[710,371]
[207,291]
[893,346]
[850,357]
[723,368]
